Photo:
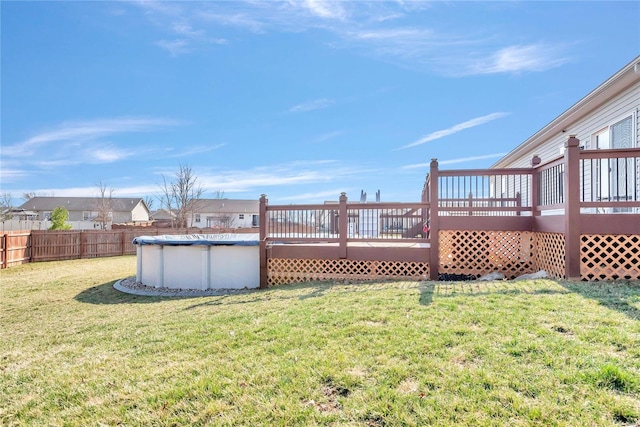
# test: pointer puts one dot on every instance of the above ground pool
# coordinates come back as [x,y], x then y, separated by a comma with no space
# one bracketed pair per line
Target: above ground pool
[199,261]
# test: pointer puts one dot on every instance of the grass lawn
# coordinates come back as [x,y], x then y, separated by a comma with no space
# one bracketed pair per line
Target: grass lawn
[76,352]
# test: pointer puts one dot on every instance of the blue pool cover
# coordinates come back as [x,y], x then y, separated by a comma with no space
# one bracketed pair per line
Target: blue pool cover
[223,239]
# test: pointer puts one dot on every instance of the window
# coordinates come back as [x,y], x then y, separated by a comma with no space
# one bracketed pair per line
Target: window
[616,135]
[47,216]
[241,216]
[254,221]
[89,215]
[613,179]
[197,218]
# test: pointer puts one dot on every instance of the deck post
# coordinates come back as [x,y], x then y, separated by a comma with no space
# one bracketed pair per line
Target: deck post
[434,224]
[343,226]
[572,208]
[535,161]
[263,241]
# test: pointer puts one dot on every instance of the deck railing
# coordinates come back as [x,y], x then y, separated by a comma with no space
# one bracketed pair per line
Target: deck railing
[492,192]
[363,221]
[610,181]
[548,180]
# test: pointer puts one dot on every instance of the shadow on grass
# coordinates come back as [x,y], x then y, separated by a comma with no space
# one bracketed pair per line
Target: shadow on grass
[618,296]
[106,294]
[309,290]
[317,289]
[426,292]
[510,291]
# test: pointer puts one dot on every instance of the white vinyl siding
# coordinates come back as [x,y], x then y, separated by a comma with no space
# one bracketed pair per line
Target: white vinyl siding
[612,118]
[139,213]
[627,103]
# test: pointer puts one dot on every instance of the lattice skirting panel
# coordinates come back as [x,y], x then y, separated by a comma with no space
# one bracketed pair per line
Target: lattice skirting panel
[609,257]
[550,255]
[480,252]
[284,271]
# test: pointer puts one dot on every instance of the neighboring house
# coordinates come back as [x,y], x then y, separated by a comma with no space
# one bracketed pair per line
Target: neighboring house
[162,218]
[123,209]
[608,117]
[162,215]
[20,214]
[225,213]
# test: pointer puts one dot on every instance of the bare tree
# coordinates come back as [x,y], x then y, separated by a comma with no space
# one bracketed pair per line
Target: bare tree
[149,202]
[224,220]
[31,194]
[104,206]
[181,195]
[28,196]
[221,220]
[6,207]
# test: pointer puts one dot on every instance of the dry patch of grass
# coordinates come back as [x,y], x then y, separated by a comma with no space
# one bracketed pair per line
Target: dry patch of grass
[76,352]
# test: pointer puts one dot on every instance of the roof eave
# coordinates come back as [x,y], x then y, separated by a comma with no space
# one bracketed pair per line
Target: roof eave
[616,84]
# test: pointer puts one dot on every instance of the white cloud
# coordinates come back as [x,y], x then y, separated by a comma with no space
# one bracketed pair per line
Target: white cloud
[471,159]
[520,58]
[11,175]
[456,128]
[293,173]
[175,47]
[198,149]
[83,131]
[396,35]
[453,161]
[186,30]
[316,104]
[326,9]
[108,154]
[238,20]
[363,26]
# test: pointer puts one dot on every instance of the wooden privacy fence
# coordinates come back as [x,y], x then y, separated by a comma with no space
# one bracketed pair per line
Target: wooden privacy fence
[15,248]
[19,247]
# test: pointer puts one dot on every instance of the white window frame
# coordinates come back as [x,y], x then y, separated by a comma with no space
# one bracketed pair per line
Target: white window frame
[240,216]
[607,127]
[196,217]
[602,178]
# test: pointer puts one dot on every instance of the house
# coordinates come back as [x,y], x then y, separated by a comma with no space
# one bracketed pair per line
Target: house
[225,213]
[122,209]
[607,117]
[20,214]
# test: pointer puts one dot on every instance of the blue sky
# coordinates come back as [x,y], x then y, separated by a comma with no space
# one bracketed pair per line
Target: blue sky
[299,100]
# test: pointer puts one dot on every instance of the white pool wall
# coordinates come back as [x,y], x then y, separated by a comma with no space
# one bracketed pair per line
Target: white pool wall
[199,266]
